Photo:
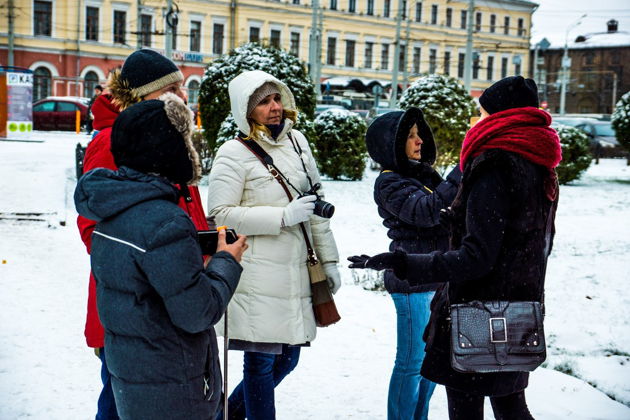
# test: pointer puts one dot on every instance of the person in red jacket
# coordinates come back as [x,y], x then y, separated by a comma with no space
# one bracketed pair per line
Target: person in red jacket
[145,75]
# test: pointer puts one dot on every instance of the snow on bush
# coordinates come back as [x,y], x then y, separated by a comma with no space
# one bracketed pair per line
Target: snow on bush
[214,101]
[447,108]
[621,122]
[576,155]
[340,149]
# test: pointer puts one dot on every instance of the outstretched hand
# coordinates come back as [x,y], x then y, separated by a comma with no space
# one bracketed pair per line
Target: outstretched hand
[396,261]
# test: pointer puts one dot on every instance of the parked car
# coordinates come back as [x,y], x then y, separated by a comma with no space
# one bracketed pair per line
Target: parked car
[59,112]
[319,108]
[603,139]
[363,113]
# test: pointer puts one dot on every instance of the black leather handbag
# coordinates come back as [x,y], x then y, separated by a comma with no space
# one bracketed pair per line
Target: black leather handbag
[497,336]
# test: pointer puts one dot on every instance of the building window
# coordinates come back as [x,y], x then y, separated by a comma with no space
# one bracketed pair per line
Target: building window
[274,41]
[434,14]
[350,53]
[476,63]
[42,18]
[387,6]
[504,67]
[404,9]
[460,65]
[42,81]
[401,57]
[370,7]
[217,38]
[521,27]
[419,11]
[294,47]
[417,52]
[506,25]
[385,57]
[463,16]
[493,23]
[517,68]
[91,23]
[90,80]
[615,57]
[490,69]
[369,52]
[331,52]
[120,26]
[193,92]
[174,35]
[589,58]
[254,34]
[447,63]
[449,17]
[333,4]
[478,22]
[352,6]
[195,36]
[296,1]
[432,60]
[146,27]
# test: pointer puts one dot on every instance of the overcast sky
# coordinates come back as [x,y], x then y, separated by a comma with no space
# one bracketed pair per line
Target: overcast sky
[554,17]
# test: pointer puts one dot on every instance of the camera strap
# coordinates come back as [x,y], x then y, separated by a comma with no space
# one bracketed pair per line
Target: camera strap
[267,162]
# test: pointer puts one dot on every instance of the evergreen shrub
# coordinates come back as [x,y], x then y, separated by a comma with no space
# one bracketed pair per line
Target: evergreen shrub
[447,108]
[621,122]
[339,147]
[576,155]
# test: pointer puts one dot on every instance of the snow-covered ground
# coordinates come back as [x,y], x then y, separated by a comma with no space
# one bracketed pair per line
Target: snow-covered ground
[47,372]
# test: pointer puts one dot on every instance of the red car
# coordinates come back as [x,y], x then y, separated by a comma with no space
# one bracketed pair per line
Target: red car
[59,112]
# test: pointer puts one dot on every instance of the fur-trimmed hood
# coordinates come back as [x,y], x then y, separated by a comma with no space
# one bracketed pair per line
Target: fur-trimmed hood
[155,137]
[243,86]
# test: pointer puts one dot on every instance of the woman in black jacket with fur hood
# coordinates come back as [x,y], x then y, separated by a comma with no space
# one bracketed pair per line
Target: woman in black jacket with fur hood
[409,194]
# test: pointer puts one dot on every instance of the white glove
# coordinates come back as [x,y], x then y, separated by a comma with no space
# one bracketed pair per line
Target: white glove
[298,210]
[332,275]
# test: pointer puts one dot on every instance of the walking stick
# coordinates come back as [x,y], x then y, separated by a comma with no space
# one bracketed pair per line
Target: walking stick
[225,362]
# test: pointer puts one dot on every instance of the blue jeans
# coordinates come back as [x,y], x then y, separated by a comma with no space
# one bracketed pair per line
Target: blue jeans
[409,392]
[106,403]
[254,397]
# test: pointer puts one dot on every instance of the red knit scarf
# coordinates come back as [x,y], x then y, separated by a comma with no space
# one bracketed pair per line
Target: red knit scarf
[524,131]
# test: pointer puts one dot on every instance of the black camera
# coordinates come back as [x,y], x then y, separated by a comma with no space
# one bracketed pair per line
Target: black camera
[322,208]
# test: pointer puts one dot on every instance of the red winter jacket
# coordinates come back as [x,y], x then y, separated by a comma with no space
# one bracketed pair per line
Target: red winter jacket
[98,155]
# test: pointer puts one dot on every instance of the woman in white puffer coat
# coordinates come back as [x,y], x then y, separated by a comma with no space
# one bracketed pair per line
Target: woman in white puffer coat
[270,315]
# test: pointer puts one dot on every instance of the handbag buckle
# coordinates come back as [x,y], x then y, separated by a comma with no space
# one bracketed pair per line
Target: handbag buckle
[498,330]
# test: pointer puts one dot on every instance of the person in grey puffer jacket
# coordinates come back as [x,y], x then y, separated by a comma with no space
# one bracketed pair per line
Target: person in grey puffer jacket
[409,194]
[156,298]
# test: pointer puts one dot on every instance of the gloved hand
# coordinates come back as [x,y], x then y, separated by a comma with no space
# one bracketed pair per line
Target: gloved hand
[396,261]
[298,210]
[332,275]
[446,218]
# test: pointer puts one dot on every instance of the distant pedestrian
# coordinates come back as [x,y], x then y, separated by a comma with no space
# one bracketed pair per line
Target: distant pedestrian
[499,244]
[98,90]
[410,194]
[156,298]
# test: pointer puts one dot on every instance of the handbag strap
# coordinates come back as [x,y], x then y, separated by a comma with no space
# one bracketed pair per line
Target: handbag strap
[267,162]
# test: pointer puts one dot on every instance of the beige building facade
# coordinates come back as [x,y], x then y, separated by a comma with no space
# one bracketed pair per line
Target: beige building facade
[72,45]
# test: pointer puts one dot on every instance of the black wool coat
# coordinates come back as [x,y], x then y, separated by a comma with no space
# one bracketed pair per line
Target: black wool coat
[409,194]
[497,253]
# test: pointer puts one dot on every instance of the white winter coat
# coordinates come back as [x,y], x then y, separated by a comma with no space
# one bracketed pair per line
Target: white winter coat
[272,303]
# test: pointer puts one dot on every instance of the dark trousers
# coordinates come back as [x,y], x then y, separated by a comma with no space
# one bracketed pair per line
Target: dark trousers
[463,406]
[254,397]
[106,402]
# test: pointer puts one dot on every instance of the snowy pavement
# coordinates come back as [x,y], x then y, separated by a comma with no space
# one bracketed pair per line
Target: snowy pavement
[47,372]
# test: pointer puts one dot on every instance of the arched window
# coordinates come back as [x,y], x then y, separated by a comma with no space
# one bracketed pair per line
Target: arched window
[42,82]
[89,82]
[193,91]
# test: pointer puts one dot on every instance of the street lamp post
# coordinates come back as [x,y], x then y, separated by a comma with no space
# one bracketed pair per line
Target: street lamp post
[566,64]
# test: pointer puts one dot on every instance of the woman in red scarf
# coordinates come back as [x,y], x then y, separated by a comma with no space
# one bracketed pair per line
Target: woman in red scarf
[498,246]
